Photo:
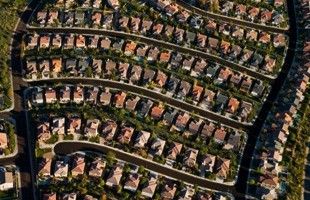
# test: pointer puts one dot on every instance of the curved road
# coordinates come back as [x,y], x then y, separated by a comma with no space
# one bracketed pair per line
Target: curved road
[149,93]
[231,20]
[62,148]
[158,43]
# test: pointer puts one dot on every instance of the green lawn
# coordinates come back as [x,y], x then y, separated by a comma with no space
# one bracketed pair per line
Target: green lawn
[9,13]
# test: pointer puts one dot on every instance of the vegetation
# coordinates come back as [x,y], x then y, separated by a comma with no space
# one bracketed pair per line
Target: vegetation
[295,152]
[9,13]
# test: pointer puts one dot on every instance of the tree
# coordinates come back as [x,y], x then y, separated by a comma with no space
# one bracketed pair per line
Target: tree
[110,157]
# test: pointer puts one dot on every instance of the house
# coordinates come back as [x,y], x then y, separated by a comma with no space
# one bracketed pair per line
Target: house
[233,105]
[6,180]
[164,56]
[172,85]
[171,9]
[61,169]
[225,47]
[115,175]
[135,74]
[58,126]
[235,79]
[107,21]
[68,18]
[176,60]
[269,181]
[199,68]
[97,67]
[246,55]
[208,130]
[153,54]
[213,43]
[235,51]
[194,127]
[43,132]
[245,110]
[157,29]
[113,3]
[264,37]
[109,129]
[211,26]
[91,95]
[241,10]
[3,140]
[169,116]
[70,196]
[79,18]
[92,42]
[135,24]
[148,76]
[144,108]
[131,103]
[233,142]
[50,96]
[141,52]
[31,68]
[265,16]
[221,168]
[190,37]
[256,60]
[142,138]
[123,22]
[132,182]
[208,99]
[197,93]
[96,168]
[44,68]
[56,66]
[220,135]
[130,48]
[146,26]
[96,19]
[37,96]
[110,67]
[187,193]
[208,162]
[157,146]
[196,21]
[78,95]
[181,121]
[253,13]
[279,40]
[201,40]
[32,41]
[184,89]
[68,41]
[105,43]
[188,63]
[252,35]
[119,99]
[78,165]
[71,66]
[123,70]
[74,126]
[169,191]
[224,75]
[179,35]
[160,79]
[44,42]
[50,196]
[91,129]
[157,112]
[149,189]
[183,16]
[105,97]
[161,4]
[225,29]
[270,64]
[174,150]
[80,41]
[45,167]
[227,6]
[125,135]
[246,84]
[41,18]
[190,157]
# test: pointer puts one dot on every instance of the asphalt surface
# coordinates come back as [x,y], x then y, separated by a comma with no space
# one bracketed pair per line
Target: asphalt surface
[149,93]
[231,20]
[158,43]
